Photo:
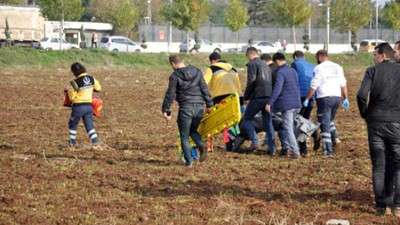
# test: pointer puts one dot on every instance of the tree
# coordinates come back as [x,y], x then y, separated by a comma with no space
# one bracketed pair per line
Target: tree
[258,12]
[121,13]
[350,15]
[291,13]
[7,33]
[125,17]
[103,9]
[83,37]
[236,17]
[156,7]
[217,10]
[392,17]
[187,15]
[53,9]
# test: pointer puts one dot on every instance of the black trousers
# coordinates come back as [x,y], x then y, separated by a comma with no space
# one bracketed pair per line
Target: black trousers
[384,145]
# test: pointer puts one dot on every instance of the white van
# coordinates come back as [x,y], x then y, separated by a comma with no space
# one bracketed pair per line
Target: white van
[119,44]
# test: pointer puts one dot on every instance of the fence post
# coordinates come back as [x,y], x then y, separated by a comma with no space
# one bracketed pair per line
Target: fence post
[210,33]
[223,35]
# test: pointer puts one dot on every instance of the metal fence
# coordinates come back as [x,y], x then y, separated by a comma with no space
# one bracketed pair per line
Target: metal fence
[271,34]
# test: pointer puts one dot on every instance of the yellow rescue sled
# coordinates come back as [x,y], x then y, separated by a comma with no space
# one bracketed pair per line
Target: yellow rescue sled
[221,116]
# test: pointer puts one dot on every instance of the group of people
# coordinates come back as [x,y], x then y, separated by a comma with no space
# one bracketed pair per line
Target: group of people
[272,87]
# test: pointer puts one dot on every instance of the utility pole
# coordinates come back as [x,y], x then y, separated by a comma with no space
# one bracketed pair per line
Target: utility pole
[61,24]
[148,18]
[328,4]
[376,21]
[170,26]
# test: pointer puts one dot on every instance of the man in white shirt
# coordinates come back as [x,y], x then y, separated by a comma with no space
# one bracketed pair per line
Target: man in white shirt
[329,84]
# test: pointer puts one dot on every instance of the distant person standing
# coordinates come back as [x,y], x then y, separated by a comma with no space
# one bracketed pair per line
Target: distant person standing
[378,101]
[284,45]
[329,84]
[94,39]
[286,99]
[305,71]
[187,86]
[258,91]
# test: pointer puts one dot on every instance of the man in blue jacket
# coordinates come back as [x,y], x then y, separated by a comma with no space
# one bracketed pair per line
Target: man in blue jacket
[286,99]
[305,71]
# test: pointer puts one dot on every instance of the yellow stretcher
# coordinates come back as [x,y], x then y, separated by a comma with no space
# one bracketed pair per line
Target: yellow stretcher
[221,116]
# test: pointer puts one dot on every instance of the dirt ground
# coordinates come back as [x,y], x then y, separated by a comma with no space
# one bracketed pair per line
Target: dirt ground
[140,179]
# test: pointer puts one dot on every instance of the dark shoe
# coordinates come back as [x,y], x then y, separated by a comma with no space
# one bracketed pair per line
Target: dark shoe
[317,142]
[203,152]
[380,211]
[284,152]
[237,143]
[295,156]
[270,153]
[304,155]
[254,147]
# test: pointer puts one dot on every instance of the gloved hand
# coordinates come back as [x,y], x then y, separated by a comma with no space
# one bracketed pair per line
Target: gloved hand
[346,104]
[305,103]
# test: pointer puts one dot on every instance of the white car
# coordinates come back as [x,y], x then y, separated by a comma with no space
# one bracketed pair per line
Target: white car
[119,44]
[205,46]
[48,43]
[263,47]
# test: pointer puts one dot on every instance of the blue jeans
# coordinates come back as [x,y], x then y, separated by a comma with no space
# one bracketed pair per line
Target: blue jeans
[384,147]
[326,112]
[288,128]
[281,136]
[256,105]
[189,118]
[84,111]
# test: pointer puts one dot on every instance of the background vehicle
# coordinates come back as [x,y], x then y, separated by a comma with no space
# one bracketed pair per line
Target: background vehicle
[26,25]
[263,47]
[368,45]
[54,44]
[119,44]
[205,46]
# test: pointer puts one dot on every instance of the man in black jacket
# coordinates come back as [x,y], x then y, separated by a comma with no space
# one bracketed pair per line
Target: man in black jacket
[381,84]
[258,90]
[187,86]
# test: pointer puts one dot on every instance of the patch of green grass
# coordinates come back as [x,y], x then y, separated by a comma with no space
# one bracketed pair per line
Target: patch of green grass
[25,57]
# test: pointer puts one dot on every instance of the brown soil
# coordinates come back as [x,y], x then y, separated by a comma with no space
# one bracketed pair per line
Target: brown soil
[140,179]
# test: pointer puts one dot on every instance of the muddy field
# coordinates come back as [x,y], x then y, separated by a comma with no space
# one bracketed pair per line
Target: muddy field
[140,179]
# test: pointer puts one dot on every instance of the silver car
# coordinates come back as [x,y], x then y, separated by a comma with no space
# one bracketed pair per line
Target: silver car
[119,44]
[263,47]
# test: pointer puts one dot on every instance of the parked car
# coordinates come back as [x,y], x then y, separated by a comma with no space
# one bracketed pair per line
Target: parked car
[119,44]
[231,50]
[263,47]
[368,45]
[205,46]
[54,44]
